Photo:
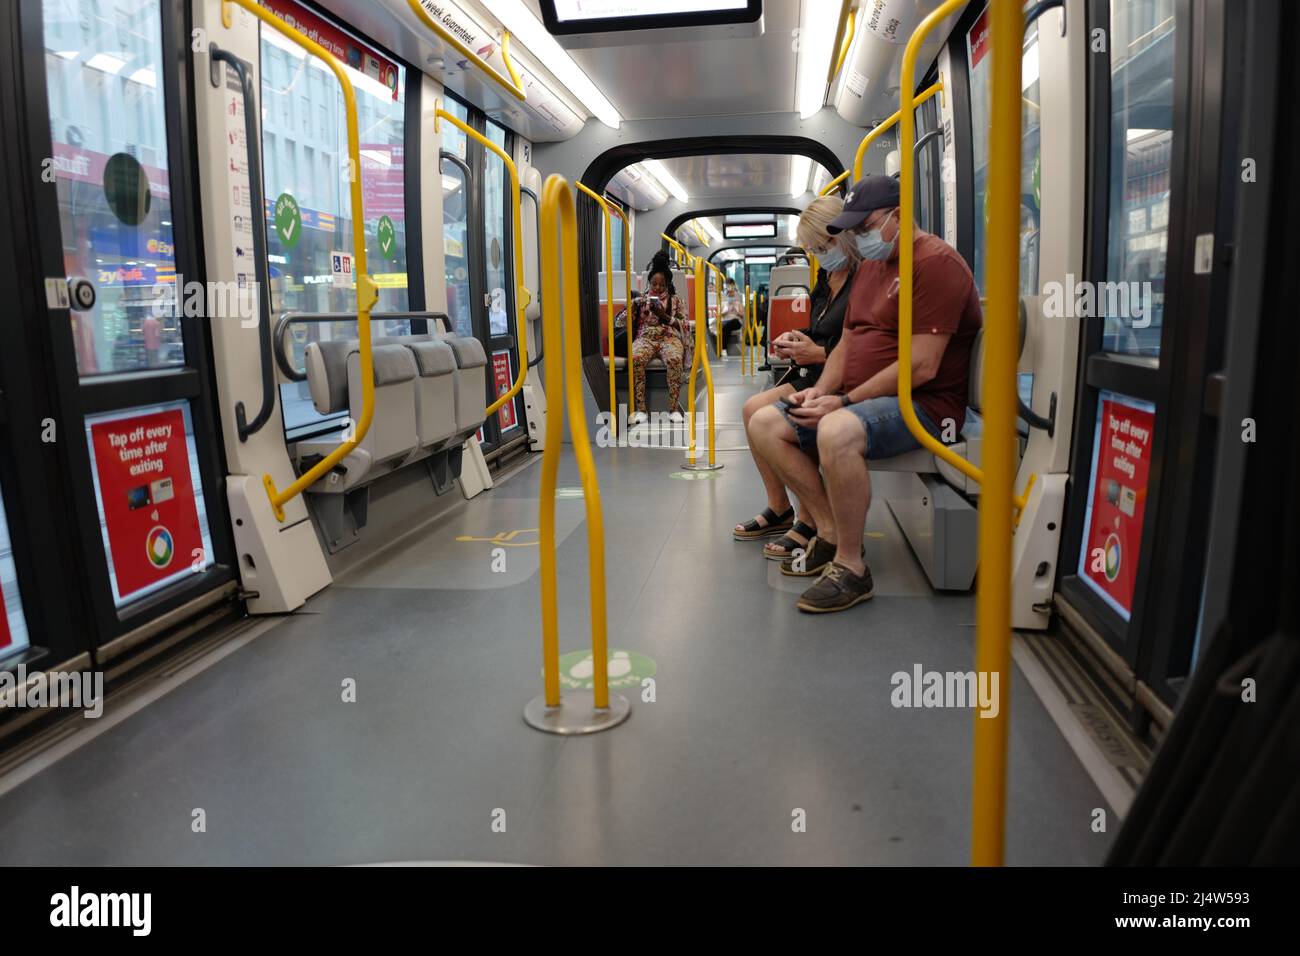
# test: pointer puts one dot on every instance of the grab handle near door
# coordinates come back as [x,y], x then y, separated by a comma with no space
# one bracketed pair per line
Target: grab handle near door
[261,267]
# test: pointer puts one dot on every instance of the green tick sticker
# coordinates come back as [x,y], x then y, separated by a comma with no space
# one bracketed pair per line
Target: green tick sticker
[387,235]
[288,220]
[625,669]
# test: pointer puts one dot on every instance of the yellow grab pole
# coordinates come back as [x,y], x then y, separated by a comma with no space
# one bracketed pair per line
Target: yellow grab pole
[882,127]
[813,266]
[367,293]
[522,296]
[1001,348]
[849,30]
[627,298]
[681,250]
[702,349]
[834,184]
[511,85]
[563,300]
[609,304]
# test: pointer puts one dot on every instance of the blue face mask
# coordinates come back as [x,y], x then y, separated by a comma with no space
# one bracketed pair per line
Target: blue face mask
[871,245]
[833,259]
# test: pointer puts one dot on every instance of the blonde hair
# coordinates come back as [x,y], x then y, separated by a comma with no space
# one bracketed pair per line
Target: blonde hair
[811,232]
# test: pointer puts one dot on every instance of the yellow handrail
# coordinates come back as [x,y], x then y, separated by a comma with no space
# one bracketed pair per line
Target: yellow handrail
[845,22]
[522,295]
[510,64]
[367,293]
[515,89]
[560,261]
[721,280]
[834,184]
[844,47]
[701,356]
[686,257]
[884,125]
[609,303]
[627,298]
[906,236]
[1001,351]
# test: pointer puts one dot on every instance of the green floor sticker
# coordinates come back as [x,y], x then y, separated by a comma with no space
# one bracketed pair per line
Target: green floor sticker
[626,669]
[288,220]
[694,475]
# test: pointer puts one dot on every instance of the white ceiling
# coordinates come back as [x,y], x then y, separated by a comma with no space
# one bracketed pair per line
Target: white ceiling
[726,175]
[700,78]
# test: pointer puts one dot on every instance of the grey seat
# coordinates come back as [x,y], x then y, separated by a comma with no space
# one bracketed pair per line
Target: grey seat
[435,391]
[471,380]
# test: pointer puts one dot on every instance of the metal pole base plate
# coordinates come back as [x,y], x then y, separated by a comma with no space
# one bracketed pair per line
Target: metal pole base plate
[577,713]
[689,465]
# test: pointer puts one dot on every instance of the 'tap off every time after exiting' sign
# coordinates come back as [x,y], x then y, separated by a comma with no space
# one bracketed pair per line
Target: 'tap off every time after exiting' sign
[146,491]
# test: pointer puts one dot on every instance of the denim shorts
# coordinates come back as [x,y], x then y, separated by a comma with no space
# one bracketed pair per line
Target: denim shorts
[882,419]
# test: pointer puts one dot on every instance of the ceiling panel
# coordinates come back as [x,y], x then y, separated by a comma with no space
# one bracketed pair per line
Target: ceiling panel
[696,78]
[731,174]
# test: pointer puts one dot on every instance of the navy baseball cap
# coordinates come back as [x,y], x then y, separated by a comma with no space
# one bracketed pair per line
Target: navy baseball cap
[868,194]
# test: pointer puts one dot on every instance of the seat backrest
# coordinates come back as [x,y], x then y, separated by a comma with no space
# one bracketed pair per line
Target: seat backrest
[786,279]
[975,399]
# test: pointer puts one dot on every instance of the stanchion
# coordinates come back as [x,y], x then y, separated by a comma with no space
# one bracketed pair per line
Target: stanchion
[609,304]
[578,711]
[701,357]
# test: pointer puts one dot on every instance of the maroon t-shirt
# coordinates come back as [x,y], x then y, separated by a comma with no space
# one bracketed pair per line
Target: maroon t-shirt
[944,301]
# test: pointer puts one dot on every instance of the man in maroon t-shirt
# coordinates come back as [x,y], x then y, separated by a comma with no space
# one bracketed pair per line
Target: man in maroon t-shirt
[852,413]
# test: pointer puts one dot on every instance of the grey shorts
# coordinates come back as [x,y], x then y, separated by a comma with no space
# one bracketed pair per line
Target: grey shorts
[882,419]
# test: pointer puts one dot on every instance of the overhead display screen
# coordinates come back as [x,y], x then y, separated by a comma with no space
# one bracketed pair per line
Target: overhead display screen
[755,231]
[598,16]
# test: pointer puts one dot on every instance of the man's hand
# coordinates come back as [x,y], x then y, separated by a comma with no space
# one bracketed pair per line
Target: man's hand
[810,411]
[806,395]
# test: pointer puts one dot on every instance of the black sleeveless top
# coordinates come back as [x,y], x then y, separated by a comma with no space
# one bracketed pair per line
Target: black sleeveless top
[827,322]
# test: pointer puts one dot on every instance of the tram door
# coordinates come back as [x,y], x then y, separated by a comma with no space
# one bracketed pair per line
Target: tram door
[478,244]
[115,303]
[1162,183]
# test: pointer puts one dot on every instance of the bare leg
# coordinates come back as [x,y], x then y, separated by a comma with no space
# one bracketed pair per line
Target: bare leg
[777,499]
[778,446]
[842,447]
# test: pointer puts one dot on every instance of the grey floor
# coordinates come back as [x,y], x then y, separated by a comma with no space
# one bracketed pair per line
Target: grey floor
[760,711]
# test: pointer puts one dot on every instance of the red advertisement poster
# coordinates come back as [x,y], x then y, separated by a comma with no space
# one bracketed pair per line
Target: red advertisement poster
[503,379]
[1121,460]
[978,39]
[147,494]
[347,50]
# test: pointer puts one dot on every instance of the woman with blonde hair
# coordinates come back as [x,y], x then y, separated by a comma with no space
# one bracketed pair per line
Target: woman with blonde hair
[807,350]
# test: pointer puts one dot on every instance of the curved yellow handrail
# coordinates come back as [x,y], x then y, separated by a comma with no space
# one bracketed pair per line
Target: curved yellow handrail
[842,23]
[367,293]
[560,261]
[844,47]
[515,89]
[609,303]
[510,64]
[627,299]
[699,234]
[906,236]
[834,184]
[522,295]
[686,258]
[721,281]
[701,357]
[885,125]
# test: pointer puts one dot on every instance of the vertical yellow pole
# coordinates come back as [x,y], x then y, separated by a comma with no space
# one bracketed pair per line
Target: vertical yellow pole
[702,353]
[552,305]
[609,319]
[993,601]
[690,383]
[721,286]
[627,305]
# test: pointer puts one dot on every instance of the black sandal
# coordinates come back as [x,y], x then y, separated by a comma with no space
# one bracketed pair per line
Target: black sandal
[776,524]
[783,547]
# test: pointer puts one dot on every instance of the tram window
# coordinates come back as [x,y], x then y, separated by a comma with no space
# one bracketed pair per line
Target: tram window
[455,223]
[496,232]
[980,65]
[1141,91]
[109,132]
[309,161]
[13,625]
